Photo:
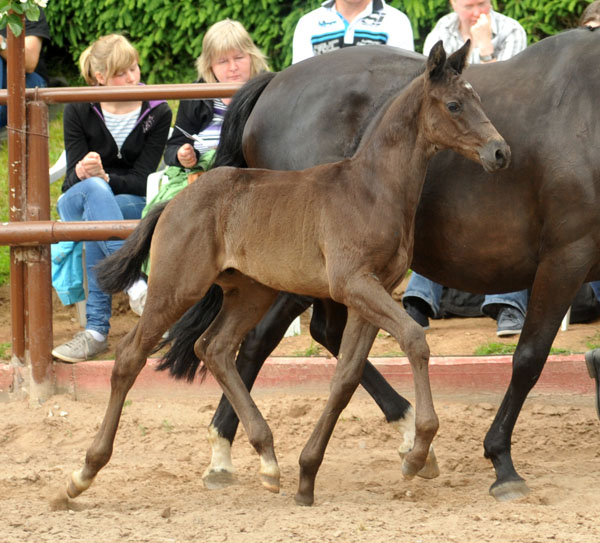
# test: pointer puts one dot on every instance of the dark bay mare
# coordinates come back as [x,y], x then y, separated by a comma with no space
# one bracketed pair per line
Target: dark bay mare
[535,225]
[256,232]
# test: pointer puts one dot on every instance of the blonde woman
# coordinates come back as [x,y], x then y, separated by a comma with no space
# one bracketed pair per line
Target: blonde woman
[111,149]
[228,56]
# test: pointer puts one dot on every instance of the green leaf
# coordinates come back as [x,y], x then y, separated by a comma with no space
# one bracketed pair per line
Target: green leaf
[15,23]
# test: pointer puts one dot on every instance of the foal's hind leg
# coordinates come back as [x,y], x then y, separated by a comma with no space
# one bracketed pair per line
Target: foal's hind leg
[130,358]
[243,307]
[356,342]
[256,347]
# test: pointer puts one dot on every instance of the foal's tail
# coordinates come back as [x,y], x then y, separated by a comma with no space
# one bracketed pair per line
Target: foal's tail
[119,271]
[180,359]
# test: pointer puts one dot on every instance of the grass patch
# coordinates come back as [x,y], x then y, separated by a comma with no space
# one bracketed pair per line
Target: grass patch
[593,342]
[5,351]
[314,350]
[494,348]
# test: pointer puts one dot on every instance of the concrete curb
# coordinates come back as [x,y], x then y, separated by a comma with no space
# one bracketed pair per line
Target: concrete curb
[562,374]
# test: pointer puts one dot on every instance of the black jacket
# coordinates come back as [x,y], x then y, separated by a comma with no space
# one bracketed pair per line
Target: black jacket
[85,131]
[193,116]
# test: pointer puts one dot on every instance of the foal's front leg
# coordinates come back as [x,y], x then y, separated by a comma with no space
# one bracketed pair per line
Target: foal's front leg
[356,342]
[243,307]
[375,304]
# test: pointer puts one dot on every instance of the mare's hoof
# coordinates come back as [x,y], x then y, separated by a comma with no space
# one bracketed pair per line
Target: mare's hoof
[511,490]
[216,479]
[304,500]
[430,470]
[270,483]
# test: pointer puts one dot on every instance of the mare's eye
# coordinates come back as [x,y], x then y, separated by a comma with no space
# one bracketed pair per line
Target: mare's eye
[453,107]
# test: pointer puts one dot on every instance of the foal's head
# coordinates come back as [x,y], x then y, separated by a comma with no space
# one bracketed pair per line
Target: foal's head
[454,118]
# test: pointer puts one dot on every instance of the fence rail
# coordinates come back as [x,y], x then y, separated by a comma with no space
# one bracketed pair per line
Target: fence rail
[30,230]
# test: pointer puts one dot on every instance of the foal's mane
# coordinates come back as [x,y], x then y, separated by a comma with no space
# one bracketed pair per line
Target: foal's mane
[374,122]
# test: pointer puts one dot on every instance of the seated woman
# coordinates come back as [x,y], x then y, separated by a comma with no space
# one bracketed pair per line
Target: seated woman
[228,56]
[111,149]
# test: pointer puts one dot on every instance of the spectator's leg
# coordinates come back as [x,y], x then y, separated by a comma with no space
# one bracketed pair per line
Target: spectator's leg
[93,200]
[508,309]
[422,299]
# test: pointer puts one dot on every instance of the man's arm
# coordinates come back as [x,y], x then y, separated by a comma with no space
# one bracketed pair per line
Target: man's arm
[33,49]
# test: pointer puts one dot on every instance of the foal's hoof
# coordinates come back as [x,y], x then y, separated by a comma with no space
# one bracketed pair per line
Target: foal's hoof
[216,479]
[430,470]
[270,482]
[77,484]
[511,490]
[410,469]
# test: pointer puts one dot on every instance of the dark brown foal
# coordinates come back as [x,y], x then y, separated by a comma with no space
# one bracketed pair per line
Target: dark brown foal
[312,232]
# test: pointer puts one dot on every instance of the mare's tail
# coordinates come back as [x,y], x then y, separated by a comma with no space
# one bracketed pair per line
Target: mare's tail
[229,151]
[119,271]
[180,359]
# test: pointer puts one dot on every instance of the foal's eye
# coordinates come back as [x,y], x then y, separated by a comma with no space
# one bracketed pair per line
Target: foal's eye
[453,107]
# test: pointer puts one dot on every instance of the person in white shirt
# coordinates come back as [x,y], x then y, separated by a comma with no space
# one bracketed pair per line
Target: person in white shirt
[345,23]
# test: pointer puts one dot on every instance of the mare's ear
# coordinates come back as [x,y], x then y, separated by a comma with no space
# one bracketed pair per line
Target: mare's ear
[436,61]
[458,60]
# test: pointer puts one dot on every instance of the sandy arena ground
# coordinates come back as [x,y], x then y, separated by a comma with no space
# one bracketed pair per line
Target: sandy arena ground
[151,490]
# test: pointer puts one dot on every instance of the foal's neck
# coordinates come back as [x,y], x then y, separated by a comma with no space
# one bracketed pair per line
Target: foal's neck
[394,143]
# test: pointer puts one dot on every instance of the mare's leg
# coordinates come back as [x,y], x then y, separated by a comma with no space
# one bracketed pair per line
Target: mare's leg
[130,357]
[356,342]
[366,295]
[550,298]
[244,304]
[256,347]
[327,326]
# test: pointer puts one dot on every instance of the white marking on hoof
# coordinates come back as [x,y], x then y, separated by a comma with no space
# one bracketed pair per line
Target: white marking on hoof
[270,475]
[220,473]
[406,427]
[78,484]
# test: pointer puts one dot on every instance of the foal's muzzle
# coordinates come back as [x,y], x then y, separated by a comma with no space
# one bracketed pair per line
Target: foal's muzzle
[495,155]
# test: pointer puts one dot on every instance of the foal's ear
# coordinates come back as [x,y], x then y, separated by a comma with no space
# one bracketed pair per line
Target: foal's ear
[458,60]
[436,61]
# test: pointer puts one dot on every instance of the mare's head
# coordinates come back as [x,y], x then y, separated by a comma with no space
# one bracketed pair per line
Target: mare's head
[454,118]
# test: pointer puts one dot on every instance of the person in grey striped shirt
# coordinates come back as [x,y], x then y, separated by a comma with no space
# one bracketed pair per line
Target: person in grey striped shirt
[494,36]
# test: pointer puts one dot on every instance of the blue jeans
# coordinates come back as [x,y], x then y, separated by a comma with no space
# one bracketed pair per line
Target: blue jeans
[93,200]
[431,293]
[31,80]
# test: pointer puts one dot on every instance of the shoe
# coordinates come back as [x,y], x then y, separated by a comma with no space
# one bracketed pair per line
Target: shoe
[510,322]
[592,361]
[82,347]
[137,304]
[417,315]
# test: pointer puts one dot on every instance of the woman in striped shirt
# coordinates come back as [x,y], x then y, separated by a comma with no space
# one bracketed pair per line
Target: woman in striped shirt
[111,149]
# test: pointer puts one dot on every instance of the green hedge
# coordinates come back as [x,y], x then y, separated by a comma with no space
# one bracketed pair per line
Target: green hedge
[169,34]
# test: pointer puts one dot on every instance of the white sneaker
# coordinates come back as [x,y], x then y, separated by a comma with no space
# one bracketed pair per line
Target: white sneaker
[137,304]
[82,347]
